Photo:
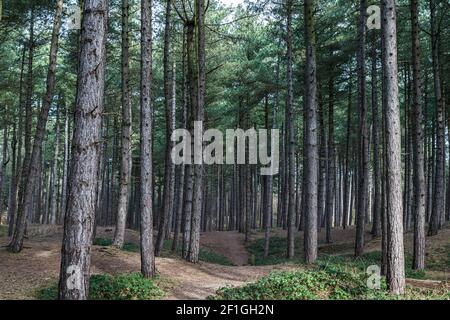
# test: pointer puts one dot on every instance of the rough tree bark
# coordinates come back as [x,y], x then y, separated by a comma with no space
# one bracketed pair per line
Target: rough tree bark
[418,142]
[331,174]
[169,169]
[199,116]
[80,213]
[347,180]
[310,172]
[125,154]
[148,268]
[439,184]
[363,161]
[396,264]
[376,223]
[54,173]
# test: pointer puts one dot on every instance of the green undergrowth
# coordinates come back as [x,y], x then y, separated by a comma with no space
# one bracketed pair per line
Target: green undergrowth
[324,281]
[132,286]
[204,255]
[335,277]
[130,247]
[277,255]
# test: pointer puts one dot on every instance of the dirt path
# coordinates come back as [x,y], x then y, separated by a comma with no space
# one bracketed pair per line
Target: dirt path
[229,244]
[38,265]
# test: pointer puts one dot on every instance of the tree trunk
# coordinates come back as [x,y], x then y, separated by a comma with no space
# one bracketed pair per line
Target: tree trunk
[54,172]
[198,168]
[66,160]
[331,174]
[80,213]
[17,151]
[291,141]
[32,166]
[363,169]
[310,172]
[439,184]
[418,150]
[347,180]
[169,170]
[148,268]
[322,162]
[189,174]
[376,223]
[125,158]
[396,265]
[3,164]
[182,169]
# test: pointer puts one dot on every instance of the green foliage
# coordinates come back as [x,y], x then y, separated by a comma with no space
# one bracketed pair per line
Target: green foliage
[277,255]
[131,247]
[204,255]
[316,284]
[102,242]
[331,281]
[213,257]
[131,286]
[277,252]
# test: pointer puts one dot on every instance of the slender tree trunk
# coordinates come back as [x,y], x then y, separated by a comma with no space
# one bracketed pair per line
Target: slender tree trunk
[439,184]
[3,164]
[28,113]
[310,172]
[199,116]
[32,166]
[54,172]
[148,268]
[17,151]
[347,180]
[396,263]
[331,174]
[363,169]
[418,150]
[125,155]
[65,166]
[189,177]
[322,162]
[182,170]
[376,224]
[291,135]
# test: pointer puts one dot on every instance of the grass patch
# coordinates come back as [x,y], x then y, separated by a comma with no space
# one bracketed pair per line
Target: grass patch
[204,255]
[131,247]
[120,287]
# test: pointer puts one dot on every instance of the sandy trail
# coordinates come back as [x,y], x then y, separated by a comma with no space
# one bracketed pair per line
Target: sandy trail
[38,265]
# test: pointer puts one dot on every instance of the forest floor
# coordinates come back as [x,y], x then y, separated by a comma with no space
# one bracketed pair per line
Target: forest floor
[37,266]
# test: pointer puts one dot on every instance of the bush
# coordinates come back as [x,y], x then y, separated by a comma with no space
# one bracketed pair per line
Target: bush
[120,287]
